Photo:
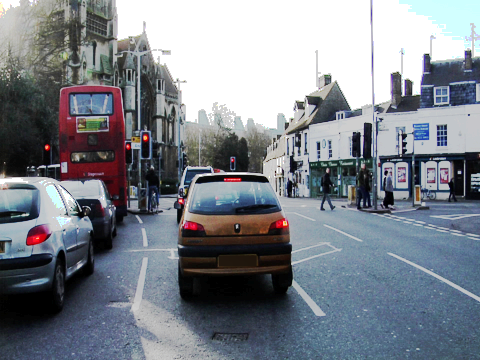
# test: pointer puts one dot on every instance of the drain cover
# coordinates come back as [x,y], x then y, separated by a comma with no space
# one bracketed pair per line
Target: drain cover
[231,337]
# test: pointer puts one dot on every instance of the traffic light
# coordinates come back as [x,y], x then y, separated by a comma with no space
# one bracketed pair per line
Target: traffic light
[356,144]
[404,143]
[128,152]
[47,149]
[145,145]
[184,160]
[233,163]
[155,148]
[367,140]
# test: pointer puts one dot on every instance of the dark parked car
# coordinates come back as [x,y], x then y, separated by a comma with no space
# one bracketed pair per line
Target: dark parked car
[94,193]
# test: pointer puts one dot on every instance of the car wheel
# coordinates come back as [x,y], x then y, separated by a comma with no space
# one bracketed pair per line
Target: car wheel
[185,284]
[56,295]
[119,218]
[90,265]
[114,225]
[281,282]
[108,242]
[179,215]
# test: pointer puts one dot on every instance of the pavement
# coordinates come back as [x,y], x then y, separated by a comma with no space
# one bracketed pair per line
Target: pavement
[166,203]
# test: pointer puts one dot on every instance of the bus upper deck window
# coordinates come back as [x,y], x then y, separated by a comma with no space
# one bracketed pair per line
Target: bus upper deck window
[91,104]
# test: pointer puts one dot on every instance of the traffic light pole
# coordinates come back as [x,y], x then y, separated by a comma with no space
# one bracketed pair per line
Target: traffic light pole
[413,169]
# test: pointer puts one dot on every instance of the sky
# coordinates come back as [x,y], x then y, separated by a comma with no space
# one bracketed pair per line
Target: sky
[257,57]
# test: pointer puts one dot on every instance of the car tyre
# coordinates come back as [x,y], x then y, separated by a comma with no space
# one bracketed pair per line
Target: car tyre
[185,285]
[108,241]
[90,265]
[56,296]
[281,282]
[119,218]
[179,215]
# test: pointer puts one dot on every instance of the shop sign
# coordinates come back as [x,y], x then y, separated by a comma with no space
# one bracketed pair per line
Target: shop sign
[347,162]
[421,131]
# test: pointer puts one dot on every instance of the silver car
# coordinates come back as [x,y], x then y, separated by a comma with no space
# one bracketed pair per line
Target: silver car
[94,194]
[45,238]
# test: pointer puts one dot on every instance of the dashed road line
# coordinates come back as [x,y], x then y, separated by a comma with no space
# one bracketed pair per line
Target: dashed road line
[448,282]
[144,236]
[140,286]
[315,308]
[139,220]
[344,233]
[306,217]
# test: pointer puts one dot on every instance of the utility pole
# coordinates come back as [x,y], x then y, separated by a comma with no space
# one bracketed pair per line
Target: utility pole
[178,81]
[473,37]
[317,73]
[374,115]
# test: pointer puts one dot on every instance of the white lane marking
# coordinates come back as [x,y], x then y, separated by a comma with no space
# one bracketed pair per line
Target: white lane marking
[444,231]
[407,222]
[454,217]
[417,224]
[344,233]
[457,231]
[316,310]
[420,222]
[320,244]
[431,228]
[316,256]
[172,254]
[456,234]
[473,234]
[448,282]
[141,284]
[473,238]
[304,216]
[145,240]
[139,220]
[143,250]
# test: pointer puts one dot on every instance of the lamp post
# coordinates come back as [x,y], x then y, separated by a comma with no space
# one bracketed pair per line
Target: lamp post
[374,116]
[178,81]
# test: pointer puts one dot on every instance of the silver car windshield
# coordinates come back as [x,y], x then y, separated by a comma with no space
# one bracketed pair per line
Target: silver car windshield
[233,198]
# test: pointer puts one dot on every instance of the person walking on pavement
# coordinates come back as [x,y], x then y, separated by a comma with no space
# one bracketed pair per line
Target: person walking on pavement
[326,183]
[388,187]
[153,185]
[361,187]
[289,188]
[366,199]
[451,185]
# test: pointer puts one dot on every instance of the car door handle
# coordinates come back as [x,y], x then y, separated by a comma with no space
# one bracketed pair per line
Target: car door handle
[78,229]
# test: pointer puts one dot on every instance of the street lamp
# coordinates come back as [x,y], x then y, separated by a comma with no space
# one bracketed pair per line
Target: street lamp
[178,81]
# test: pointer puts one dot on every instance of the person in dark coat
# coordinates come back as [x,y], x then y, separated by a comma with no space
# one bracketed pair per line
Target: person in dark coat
[361,187]
[153,185]
[326,183]
[451,185]
[388,187]
[289,188]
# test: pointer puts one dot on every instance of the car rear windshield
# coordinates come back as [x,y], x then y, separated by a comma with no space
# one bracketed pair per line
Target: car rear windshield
[191,174]
[18,203]
[233,198]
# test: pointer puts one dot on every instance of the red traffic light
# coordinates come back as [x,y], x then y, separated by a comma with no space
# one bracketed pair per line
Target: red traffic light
[128,146]
[145,137]
[47,147]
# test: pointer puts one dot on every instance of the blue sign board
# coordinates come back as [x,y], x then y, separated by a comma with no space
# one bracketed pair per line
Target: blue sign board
[421,131]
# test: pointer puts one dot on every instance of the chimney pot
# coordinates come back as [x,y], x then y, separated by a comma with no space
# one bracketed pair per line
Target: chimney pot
[408,87]
[468,59]
[396,82]
[324,80]
[426,63]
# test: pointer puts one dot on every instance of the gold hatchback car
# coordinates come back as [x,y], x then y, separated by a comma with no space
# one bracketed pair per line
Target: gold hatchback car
[233,224]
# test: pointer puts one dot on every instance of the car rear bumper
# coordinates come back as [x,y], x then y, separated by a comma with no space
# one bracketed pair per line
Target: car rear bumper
[25,275]
[101,228]
[205,260]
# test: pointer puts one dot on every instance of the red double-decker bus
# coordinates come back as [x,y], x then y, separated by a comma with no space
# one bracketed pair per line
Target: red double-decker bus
[92,139]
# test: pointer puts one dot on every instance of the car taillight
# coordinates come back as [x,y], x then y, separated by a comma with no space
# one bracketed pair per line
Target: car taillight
[279,227]
[99,210]
[38,234]
[181,201]
[192,229]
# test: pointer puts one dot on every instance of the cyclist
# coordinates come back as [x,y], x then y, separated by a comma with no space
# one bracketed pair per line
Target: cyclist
[153,185]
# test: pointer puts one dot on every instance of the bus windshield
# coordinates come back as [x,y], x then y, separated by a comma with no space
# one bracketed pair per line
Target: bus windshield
[91,104]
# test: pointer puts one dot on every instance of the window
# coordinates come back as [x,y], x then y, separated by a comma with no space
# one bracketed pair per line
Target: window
[96,24]
[318,151]
[478,92]
[441,135]
[441,95]
[305,150]
[330,152]
[91,104]
[72,205]
[349,146]
[288,147]
[92,156]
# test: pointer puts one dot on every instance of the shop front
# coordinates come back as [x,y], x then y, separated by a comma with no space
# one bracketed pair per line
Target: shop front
[472,176]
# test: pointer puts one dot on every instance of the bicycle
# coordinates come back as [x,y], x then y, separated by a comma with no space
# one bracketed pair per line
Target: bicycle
[427,193]
[153,202]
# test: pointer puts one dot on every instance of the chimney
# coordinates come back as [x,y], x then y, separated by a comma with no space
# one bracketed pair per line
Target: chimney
[408,87]
[468,59]
[396,89]
[426,63]
[324,80]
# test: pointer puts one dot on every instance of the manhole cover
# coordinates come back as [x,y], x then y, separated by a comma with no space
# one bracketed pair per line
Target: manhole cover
[231,337]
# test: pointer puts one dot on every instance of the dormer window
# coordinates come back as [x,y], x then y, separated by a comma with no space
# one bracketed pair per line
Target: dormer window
[340,115]
[441,95]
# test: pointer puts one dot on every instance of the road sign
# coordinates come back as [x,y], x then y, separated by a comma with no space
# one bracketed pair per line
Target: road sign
[421,131]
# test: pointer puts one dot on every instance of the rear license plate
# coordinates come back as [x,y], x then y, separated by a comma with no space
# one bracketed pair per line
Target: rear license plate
[2,247]
[247,260]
